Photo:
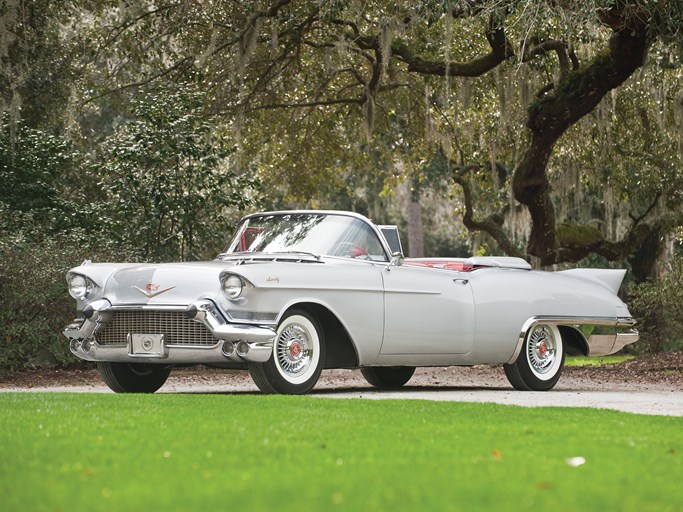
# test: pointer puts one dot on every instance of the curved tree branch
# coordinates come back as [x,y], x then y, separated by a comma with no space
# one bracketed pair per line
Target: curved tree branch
[491,224]
[501,50]
[306,104]
[271,12]
[565,54]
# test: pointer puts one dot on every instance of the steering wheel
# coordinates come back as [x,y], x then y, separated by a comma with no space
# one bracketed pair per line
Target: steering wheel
[351,250]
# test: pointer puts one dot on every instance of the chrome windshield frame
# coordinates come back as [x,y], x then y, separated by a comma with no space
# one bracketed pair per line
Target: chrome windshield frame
[237,240]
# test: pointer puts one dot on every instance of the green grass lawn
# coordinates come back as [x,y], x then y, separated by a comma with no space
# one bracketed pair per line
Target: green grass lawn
[72,452]
[596,361]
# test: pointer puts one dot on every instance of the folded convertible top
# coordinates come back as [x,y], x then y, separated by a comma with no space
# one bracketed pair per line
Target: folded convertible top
[467,264]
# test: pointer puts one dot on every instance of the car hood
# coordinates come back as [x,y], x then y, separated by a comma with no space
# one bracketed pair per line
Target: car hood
[165,284]
[159,284]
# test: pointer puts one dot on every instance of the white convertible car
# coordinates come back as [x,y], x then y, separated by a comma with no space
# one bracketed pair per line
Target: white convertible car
[297,292]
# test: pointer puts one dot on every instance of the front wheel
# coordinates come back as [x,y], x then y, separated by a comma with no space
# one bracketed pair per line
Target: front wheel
[298,357]
[388,376]
[539,366]
[133,377]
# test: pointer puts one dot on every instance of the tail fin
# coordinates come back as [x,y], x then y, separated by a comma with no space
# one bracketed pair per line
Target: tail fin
[610,278]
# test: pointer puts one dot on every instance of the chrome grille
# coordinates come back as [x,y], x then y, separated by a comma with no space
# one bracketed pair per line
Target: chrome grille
[174,325]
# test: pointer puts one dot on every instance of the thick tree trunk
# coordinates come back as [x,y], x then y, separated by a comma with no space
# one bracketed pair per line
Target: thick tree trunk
[550,116]
[646,258]
[415,229]
[532,188]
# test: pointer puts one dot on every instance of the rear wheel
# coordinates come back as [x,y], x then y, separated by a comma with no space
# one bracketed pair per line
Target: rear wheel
[388,376]
[133,377]
[298,357]
[539,366]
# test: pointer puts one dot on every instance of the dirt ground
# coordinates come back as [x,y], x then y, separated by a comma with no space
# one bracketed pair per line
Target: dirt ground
[649,372]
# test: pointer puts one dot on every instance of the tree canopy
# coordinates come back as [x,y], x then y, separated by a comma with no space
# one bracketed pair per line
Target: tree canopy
[312,88]
[514,109]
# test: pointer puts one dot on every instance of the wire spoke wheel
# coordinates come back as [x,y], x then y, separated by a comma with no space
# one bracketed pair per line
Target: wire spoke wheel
[294,351]
[542,350]
[298,356]
[539,366]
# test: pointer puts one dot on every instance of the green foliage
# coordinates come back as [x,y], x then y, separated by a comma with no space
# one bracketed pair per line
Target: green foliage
[36,72]
[31,164]
[90,452]
[40,240]
[167,191]
[35,303]
[658,307]
[168,178]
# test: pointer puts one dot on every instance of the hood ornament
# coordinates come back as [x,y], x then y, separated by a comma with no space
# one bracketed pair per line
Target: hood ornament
[151,290]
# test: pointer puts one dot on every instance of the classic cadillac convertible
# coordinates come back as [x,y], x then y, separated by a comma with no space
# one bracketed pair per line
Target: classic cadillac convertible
[297,292]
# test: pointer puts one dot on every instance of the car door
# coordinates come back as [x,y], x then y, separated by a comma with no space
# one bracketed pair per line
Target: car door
[427,311]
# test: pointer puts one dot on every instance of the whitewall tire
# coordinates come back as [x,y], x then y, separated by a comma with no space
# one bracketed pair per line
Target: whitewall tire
[539,365]
[298,356]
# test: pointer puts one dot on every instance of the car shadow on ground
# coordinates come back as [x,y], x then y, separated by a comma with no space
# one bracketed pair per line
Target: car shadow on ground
[331,392]
[405,389]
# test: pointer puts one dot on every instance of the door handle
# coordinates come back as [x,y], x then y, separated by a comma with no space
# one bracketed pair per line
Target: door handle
[461,280]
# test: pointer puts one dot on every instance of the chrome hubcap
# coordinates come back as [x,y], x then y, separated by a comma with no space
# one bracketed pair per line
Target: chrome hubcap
[541,349]
[294,350]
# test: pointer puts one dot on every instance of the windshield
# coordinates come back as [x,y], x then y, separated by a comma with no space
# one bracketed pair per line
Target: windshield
[319,234]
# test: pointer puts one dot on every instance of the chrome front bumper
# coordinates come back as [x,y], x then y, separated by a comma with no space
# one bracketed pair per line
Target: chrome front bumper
[238,343]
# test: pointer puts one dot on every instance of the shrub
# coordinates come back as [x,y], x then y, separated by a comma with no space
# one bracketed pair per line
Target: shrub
[658,307]
[161,188]
[35,303]
[169,178]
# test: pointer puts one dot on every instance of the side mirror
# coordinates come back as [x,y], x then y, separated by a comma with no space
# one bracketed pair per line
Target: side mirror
[396,260]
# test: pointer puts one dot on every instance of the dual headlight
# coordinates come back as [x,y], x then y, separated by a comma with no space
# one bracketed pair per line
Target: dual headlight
[79,286]
[233,286]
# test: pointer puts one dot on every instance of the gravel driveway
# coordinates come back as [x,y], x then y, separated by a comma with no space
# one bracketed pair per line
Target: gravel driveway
[649,385]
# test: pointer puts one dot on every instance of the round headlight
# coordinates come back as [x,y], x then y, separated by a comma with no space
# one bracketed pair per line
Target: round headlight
[232,286]
[79,287]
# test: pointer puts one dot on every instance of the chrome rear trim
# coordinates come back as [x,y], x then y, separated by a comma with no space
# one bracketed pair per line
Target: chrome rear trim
[600,341]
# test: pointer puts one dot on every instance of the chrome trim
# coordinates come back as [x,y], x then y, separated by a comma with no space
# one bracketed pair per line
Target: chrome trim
[98,311]
[173,354]
[79,329]
[96,314]
[378,233]
[599,344]
[258,339]
[206,312]
[152,293]
[178,329]
[397,260]
[625,338]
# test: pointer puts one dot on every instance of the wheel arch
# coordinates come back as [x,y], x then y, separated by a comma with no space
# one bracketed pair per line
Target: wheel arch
[575,343]
[340,350]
